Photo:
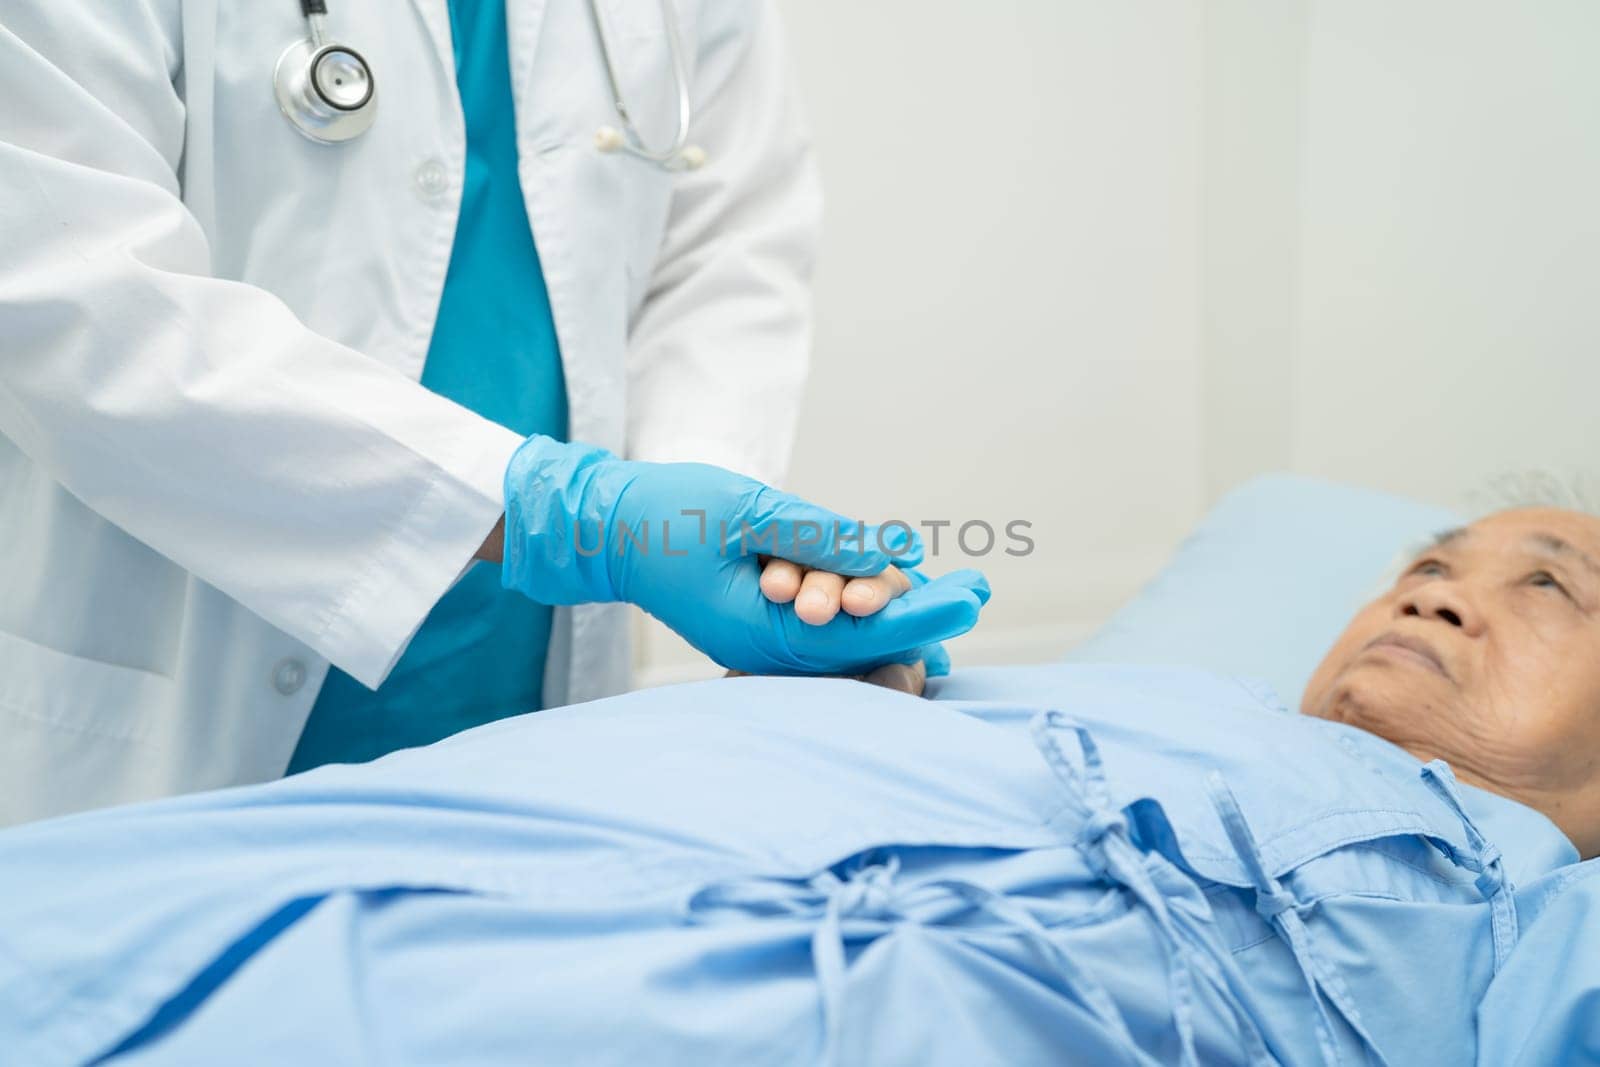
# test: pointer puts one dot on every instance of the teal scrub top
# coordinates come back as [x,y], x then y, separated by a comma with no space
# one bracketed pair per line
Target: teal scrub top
[480,654]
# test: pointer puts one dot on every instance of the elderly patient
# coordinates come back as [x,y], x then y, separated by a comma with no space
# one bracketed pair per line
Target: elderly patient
[1039,865]
[1486,654]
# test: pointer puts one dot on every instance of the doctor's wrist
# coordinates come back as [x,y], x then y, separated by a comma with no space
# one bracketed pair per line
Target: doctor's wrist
[493,547]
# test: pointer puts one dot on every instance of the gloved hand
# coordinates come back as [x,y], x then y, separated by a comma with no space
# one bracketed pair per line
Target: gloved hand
[681,540]
[819,595]
[935,660]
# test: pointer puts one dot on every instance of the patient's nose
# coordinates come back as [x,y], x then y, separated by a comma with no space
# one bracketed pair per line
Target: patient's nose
[1442,601]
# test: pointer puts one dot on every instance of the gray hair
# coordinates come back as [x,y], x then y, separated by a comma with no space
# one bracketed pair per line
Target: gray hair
[1537,489]
[1503,492]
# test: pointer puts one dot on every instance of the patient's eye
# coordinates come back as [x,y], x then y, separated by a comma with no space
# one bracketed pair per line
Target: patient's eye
[1427,568]
[1546,580]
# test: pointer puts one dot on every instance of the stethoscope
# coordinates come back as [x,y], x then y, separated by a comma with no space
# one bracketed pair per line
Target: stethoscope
[327,91]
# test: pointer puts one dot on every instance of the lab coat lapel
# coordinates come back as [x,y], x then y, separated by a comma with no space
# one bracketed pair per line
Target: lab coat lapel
[524,19]
[435,15]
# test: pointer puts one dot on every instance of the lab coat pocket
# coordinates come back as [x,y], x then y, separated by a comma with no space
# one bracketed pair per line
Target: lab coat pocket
[77,733]
[644,21]
[75,694]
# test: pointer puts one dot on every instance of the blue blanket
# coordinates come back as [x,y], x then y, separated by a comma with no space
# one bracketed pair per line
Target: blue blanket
[1058,864]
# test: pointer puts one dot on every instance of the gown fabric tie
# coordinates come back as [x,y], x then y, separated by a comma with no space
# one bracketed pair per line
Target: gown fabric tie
[1279,908]
[1172,899]
[1485,861]
[875,892]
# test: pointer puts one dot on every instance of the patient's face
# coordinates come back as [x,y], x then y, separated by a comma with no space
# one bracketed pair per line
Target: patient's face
[1486,653]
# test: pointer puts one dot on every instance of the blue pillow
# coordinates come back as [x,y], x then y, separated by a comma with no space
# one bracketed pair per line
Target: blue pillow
[1267,581]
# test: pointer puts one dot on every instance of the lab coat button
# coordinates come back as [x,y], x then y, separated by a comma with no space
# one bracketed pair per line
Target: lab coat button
[431,178]
[288,676]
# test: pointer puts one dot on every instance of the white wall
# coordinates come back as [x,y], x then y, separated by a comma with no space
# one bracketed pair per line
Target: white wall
[1449,300]
[1092,263]
[1008,291]
[1253,127]
[1402,241]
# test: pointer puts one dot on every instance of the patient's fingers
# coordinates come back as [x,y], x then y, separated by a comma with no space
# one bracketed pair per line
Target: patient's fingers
[905,677]
[942,608]
[780,580]
[818,601]
[863,596]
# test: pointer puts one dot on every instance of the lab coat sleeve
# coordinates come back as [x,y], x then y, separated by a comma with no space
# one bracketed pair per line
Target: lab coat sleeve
[719,352]
[332,496]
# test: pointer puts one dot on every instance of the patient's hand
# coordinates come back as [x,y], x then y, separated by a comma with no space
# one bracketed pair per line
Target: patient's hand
[818,595]
[902,677]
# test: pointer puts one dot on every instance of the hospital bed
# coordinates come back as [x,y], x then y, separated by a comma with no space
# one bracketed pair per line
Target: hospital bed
[754,872]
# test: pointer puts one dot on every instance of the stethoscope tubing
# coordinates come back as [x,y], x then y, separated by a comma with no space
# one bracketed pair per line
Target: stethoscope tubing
[301,96]
[635,143]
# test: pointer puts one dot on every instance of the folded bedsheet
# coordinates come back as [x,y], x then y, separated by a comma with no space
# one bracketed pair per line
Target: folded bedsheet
[1042,865]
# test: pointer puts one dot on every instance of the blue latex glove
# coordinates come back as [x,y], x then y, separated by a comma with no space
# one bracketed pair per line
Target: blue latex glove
[935,660]
[699,572]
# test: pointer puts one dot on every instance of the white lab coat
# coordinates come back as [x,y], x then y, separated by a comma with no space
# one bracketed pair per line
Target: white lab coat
[217,470]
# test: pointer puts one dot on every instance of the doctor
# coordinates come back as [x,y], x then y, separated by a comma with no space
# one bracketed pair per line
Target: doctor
[298,306]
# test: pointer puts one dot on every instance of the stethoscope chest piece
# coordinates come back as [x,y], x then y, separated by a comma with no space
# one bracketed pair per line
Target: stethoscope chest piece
[325,90]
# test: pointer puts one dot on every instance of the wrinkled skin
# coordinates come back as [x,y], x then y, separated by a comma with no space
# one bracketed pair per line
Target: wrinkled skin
[1486,654]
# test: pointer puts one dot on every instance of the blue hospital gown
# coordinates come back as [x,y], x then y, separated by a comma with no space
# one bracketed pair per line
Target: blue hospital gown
[1545,1006]
[1043,865]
